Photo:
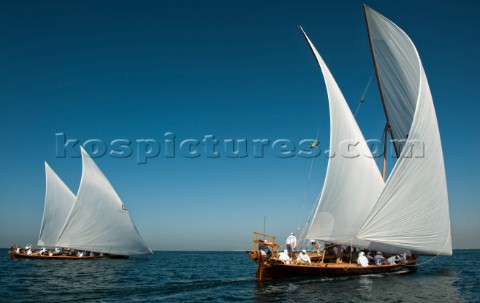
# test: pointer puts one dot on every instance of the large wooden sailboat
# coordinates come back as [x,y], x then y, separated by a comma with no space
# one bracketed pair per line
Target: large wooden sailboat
[95,222]
[358,207]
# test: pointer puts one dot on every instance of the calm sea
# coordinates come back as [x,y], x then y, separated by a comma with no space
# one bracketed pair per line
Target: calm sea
[227,277]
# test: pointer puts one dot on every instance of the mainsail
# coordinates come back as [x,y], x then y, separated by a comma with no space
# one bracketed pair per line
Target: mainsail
[353,181]
[98,220]
[58,203]
[412,211]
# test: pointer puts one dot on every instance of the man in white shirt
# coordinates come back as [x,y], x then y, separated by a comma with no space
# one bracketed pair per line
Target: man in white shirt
[303,257]
[392,260]
[283,256]
[362,260]
[379,259]
[291,243]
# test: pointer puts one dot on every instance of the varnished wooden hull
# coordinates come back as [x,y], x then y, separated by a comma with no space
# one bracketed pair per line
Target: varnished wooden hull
[274,269]
[15,255]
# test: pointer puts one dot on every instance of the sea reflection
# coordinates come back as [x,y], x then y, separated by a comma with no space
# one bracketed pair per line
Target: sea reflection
[365,283]
[435,285]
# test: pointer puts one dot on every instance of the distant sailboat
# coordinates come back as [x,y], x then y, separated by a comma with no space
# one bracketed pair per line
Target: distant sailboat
[95,220]
[408,213]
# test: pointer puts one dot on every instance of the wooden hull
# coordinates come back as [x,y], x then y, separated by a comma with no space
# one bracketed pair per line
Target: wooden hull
[15,255]
[274,269]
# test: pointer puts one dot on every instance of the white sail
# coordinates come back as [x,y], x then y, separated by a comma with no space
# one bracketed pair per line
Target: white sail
[58,203]
[98,220]
[412,211]
[352,183]
[398,71]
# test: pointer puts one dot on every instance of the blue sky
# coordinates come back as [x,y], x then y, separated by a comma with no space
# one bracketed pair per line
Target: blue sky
[237,70]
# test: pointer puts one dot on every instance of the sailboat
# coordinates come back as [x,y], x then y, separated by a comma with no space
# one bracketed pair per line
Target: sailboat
[359,207]
[95,220]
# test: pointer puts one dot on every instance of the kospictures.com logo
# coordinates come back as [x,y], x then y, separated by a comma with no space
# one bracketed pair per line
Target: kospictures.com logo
[209,146]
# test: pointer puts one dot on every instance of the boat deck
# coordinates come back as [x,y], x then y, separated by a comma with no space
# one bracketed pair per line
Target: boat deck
[344,265]
[15,255]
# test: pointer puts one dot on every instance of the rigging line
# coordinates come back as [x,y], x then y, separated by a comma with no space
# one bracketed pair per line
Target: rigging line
[310,172]
[438,254]
[302,236]
[363,96]
[308,185]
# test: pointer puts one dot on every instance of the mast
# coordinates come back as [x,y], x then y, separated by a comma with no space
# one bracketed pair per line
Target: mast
[379,88]
[385,137]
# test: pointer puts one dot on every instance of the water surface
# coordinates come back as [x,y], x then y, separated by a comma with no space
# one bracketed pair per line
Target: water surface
[227,277]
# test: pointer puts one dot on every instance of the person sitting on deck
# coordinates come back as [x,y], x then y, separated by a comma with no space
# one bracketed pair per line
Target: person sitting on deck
[303,257]
[317,246]
[264,248]
[369,257]
[58,250]
[379,259]
[18,250]
[43,251]
[403,258]
[29,252]
[392,260]
[283,256]
[337,250]
[362,260]
[291,243]
[92,254]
